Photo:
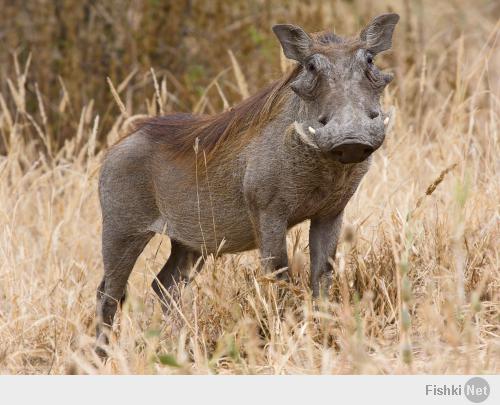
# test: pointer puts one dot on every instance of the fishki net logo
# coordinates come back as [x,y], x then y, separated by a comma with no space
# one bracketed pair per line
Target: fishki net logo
[475,390]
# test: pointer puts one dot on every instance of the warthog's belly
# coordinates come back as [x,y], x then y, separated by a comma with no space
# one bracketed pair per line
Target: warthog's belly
[228,230]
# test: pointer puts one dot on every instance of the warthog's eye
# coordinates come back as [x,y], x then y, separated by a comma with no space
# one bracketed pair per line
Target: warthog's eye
[310,67]
[369,58]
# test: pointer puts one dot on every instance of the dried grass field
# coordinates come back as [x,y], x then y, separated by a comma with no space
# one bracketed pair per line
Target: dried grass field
[417,280]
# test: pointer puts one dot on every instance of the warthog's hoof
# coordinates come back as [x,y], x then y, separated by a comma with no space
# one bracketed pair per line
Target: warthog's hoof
[282,274]
[101,353]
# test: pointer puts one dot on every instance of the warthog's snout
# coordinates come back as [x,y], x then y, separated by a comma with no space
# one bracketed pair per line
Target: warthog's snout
[352,141]
[351,152]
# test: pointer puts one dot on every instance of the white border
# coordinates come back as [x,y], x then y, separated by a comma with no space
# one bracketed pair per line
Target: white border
[240,390]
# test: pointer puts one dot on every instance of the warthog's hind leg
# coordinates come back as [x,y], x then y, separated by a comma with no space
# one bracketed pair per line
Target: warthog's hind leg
[119,255]
[177,268]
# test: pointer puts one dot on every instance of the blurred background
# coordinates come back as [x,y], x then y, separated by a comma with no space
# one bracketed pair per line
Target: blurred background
[75,45]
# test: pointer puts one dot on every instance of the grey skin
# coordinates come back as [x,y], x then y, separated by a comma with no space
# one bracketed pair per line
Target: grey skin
[305,163]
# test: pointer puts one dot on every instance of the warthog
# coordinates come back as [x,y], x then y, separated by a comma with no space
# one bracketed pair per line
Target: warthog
[230,182]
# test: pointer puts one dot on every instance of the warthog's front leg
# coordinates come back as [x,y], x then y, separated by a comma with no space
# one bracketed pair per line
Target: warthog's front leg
[323,237]
[271,235]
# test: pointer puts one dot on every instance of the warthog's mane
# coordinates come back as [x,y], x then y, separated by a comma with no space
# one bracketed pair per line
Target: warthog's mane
[177,133]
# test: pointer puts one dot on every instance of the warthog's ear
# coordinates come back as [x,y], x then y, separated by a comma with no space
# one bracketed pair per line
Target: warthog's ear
[294,40]
[378,34]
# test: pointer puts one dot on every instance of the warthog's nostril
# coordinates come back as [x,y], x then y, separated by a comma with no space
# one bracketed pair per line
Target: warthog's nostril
[373,114]
[323,120]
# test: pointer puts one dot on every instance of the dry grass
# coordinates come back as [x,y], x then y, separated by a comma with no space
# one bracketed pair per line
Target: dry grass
[417,286]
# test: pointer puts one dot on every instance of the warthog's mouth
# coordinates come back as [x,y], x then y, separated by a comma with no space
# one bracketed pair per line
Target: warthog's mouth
[349,150]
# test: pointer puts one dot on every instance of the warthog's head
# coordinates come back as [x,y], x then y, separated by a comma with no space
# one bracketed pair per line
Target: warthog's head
[340,87]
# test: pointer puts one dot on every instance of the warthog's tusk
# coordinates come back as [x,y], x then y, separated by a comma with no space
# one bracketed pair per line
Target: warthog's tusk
[389,118]
[303,136]
[312,130]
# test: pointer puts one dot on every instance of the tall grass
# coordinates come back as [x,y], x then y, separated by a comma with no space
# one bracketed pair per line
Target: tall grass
[417,281]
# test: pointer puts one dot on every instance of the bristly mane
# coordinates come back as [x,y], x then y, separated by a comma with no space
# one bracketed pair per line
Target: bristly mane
[178,132]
